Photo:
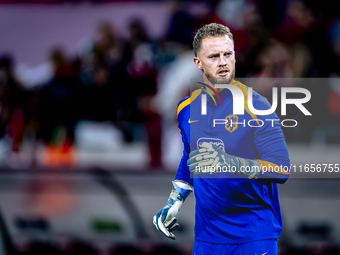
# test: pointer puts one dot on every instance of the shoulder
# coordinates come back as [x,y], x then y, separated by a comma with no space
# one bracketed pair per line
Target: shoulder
[182,106]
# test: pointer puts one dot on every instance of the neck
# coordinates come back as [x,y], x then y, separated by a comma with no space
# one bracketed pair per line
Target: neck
[218,90]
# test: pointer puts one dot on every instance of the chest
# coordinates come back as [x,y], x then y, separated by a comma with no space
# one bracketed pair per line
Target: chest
[233,133]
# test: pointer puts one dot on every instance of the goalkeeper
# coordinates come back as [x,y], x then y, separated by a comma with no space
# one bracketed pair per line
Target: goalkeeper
[233,169]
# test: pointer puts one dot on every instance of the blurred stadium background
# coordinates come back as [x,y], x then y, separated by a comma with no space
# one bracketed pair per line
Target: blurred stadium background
[88,133]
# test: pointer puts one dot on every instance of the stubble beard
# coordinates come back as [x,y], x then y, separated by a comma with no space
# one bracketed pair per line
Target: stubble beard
[220,80]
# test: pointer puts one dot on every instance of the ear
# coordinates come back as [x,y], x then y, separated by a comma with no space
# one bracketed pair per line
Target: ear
[198,63]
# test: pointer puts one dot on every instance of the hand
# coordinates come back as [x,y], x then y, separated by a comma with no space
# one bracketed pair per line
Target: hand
[165,220]
[210,159]
[207,158]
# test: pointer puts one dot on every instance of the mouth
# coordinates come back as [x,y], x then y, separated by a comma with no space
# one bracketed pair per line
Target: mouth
[223,72]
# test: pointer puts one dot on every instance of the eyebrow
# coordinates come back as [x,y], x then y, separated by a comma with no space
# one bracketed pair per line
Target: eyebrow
[217,54]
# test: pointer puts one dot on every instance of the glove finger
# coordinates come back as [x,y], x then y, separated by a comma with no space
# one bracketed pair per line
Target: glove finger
[216,161]
[163,230]
[197,152]
[198,158]
[201,159]
[154,222]
[201,156]
[172,225]
[158,220]
[194,166]
[194,160]
[162,215]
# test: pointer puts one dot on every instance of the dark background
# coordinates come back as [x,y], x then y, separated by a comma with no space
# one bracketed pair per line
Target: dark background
[89,141]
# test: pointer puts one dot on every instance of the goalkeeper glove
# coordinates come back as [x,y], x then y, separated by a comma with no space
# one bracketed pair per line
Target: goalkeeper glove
[210,156]
[165,220]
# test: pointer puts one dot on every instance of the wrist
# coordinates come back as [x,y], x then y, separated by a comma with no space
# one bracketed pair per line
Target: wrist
[182,190]
[248,168]
[179,192]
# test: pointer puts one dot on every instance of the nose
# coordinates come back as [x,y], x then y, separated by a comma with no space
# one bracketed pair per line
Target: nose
[222,60]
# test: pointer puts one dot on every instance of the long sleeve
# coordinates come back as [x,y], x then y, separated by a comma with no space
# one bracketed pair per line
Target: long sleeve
[183,173]
[271,147]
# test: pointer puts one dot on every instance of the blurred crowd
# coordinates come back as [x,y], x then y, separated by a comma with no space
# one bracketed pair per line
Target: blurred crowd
[136,82]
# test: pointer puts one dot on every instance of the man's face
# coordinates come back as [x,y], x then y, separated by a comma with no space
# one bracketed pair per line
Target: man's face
[216,59]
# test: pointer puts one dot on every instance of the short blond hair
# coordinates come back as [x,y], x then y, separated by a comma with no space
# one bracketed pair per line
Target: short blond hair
[210,30]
